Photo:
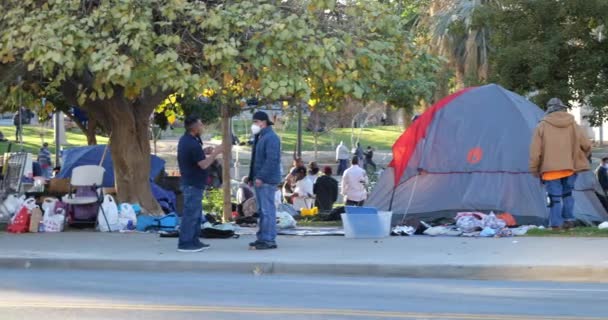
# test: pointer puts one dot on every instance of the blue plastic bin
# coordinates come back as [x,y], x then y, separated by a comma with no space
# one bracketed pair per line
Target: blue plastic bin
[360,210]
[360,226]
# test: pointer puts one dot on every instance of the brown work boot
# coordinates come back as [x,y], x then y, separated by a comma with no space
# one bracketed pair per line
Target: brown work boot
[569,225]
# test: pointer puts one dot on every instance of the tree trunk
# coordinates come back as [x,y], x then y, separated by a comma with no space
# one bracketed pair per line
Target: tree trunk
[130,149]
[316,138]
[407,118]
[390,115]
[91,132]
[226,156]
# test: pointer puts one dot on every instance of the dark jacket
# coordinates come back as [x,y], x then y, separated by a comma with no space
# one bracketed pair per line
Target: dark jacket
[326,191]
[266,158]
[602,177]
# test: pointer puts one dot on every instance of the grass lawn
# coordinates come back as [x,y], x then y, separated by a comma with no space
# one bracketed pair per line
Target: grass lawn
[380,138]
[32,138]
[576,232]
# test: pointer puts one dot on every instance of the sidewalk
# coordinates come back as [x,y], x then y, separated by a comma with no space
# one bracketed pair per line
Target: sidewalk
[553,259]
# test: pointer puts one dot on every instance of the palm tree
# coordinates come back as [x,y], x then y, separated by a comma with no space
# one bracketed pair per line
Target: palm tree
[452,33]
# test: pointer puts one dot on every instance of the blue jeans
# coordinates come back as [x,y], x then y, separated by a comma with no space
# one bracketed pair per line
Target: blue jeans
[561,200]
[190,225]
[342,166]
[268,213]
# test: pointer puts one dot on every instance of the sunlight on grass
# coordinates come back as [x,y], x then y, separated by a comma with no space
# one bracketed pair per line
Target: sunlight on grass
[34,136]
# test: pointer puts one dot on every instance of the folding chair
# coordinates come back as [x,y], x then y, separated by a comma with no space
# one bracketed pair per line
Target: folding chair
[87,176]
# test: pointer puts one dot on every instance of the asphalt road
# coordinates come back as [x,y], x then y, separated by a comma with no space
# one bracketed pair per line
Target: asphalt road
[62,295]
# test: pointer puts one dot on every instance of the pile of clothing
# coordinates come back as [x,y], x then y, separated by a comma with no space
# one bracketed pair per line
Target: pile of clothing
[466,224]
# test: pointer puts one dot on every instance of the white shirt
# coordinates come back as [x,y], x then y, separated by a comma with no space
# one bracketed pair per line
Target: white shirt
[353,184]
[305,190]
[342,152]
[313,178]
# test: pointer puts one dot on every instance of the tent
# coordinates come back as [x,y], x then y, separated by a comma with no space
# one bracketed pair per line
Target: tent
[470,152]
[92,155]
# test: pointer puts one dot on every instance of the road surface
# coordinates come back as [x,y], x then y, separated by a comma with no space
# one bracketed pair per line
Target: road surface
[62,295]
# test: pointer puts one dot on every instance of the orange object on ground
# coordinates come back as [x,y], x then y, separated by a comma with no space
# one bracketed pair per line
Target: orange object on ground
[508,218]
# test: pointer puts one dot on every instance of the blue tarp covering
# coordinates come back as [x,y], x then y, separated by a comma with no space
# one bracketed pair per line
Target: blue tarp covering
[91,155]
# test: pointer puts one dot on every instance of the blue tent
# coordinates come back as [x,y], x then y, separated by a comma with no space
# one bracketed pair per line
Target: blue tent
[91,155]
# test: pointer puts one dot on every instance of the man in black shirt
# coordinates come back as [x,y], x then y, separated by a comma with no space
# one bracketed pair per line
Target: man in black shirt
[193,166]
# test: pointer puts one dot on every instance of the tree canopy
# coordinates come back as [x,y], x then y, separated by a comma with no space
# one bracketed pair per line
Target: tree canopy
[551,48]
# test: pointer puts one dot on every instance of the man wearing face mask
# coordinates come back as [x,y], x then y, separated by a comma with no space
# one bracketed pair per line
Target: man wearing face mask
[265,172]
[193,164]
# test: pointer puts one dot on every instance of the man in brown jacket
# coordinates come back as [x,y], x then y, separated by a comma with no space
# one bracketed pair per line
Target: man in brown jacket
[559,150]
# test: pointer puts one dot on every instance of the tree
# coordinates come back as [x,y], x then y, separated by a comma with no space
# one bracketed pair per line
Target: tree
[450,29]
[551,48]
[121,59]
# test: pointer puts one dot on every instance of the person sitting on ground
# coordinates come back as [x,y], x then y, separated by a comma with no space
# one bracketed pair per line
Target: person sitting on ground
[354,183]
[602,174]
[313,172]
[303,192]
[243,194]
[326,191]
[2,137]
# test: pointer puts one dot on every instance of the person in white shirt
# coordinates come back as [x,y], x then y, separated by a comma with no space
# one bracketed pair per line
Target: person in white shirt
[313,172]
[354,183]
[303,194]
[342,156]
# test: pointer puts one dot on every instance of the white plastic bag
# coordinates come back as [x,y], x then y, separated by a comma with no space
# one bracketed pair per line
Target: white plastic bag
[53,221]
[436,231]
[468,224]
[9,207]
[111,211]
[603,225]
[285,220]
[491,221]
[125,216]
[49,203]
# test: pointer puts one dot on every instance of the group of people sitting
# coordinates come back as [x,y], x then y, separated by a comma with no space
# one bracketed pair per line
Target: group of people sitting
[305,187]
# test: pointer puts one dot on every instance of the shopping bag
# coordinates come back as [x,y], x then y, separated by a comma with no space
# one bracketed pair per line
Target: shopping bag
[110,222]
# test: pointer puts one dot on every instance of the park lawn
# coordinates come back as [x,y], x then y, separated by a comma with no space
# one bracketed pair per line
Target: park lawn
[32,139]
[593,232]
[380,138]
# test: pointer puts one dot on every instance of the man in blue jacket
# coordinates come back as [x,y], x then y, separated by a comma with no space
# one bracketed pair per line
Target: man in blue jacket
[265,172]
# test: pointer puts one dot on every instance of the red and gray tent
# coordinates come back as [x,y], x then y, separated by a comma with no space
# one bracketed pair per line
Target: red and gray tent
[470,152]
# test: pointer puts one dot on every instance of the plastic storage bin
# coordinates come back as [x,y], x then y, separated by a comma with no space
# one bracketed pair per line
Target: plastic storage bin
[362,226]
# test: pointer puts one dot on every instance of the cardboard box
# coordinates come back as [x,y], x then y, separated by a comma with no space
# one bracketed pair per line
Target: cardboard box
[59,186]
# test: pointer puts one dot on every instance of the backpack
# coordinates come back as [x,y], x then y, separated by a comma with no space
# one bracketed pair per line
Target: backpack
[213,233]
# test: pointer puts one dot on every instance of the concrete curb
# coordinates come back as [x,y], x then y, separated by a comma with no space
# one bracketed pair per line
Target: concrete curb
[469,272]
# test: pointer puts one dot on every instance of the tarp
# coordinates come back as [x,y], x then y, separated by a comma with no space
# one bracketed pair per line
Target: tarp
[91,155]
[470,152]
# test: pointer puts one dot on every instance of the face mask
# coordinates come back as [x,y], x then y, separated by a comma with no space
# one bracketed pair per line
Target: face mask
[255,129]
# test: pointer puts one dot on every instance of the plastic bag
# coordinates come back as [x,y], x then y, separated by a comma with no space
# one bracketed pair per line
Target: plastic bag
[21,221]
[603,225]
[487,232]
[10,206]
[285,220]
[53,221]
[491,221]
[436,231]
[49,203]
[468,224]
[110,222]
[127,218]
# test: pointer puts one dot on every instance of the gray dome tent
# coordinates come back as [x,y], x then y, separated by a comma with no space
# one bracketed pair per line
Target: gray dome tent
[470,152]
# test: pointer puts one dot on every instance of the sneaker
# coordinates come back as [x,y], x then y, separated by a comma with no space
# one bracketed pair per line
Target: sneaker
[264,246]
[197,248]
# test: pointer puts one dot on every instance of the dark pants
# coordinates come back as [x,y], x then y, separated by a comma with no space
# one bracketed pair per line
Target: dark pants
[18,133]
[368,164]
[355,203]
[342,166]
[192,217]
